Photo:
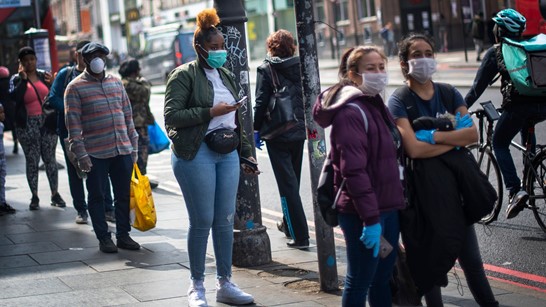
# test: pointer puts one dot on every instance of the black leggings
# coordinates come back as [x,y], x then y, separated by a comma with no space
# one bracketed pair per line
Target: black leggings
[38,142]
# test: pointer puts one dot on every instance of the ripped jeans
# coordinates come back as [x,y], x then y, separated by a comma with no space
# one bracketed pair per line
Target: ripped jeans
[209,184]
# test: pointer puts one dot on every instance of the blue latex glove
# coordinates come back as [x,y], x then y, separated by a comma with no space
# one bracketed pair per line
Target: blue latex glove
[371,237]
[259,143]
[463,122]
[425,136]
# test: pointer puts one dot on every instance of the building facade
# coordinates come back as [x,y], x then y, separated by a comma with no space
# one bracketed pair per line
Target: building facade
[340,24]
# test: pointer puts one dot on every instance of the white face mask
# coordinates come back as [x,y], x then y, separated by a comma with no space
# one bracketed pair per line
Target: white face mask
[422,69]
[97,65]
[373,83]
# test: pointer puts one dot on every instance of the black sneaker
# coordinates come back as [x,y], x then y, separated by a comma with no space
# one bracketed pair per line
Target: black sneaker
[126,242]
[57,201]
[303,244]
[34,203]
[281,226]
[516,204]
[5,208]
[81,218]
[106,245]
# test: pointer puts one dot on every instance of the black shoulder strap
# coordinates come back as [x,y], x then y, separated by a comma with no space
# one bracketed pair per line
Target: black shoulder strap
[69,73]
[36,90]
[274,77]
[447,95]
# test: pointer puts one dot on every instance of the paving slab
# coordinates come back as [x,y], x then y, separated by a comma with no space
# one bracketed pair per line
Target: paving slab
[136,259]
[65,238]
[125,277]
[5,241]
[158,290]
[95,297]
[28,248]
[31,287]
[9,228]
[69,255]
[46,271]
[16,261]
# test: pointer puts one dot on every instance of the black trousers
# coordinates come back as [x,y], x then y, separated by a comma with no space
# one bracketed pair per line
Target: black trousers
[286,159]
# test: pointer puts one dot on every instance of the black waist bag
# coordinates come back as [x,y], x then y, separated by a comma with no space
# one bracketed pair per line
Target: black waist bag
[222,140]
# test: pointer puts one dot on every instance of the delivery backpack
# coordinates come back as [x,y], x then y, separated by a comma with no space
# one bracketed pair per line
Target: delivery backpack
[525,62]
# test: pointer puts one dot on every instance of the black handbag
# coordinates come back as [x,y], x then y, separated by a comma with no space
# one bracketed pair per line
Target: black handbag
[222,140]
[280,116]
[49,114]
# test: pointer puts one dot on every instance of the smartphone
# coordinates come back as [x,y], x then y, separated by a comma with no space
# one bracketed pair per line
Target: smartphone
[490,110]
[385,248]
[253,165]
[241,101]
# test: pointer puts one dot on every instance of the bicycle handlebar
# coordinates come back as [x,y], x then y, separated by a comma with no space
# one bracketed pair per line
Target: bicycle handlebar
[488,111]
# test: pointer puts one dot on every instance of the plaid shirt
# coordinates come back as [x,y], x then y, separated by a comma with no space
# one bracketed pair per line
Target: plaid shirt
[99,118]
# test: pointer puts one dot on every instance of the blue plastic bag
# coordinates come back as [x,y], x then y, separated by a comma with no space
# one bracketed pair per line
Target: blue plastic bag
[158,139]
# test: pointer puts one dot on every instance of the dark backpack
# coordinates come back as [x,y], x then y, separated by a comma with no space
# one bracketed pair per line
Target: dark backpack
[327,196]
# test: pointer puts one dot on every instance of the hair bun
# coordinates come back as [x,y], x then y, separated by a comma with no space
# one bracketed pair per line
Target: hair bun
[207,18]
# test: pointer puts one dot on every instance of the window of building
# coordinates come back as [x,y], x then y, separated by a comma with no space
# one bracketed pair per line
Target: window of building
[319,11]
[366,8]
[320,28]
[342,10]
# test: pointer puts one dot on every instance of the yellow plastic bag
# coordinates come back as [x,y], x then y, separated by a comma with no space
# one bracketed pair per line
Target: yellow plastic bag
[143,216]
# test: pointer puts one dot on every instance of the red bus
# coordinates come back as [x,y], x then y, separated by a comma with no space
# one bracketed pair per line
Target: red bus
[14,21]
[531,10]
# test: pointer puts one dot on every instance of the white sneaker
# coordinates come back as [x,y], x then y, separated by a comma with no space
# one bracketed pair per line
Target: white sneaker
[228,292]
[196,295]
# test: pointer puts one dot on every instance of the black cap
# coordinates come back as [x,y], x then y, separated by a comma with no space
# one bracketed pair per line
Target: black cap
[93,47]
[80,45]
[128,67]
[26,51]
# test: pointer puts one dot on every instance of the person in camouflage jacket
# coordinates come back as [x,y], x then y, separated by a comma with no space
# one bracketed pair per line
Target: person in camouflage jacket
[138,90]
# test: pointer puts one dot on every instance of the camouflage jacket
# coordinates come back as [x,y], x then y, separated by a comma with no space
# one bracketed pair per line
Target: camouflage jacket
[138,90]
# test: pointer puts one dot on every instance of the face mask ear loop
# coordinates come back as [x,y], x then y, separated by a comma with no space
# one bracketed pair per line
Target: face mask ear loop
[202,48]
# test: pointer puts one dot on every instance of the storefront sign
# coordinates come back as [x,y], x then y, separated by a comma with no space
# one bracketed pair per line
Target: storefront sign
[14,3]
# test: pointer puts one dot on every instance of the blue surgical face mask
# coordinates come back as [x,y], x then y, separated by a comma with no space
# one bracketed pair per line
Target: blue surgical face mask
[215,58]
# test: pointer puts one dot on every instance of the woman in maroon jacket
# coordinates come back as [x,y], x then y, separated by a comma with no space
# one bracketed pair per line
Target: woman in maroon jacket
[365,153]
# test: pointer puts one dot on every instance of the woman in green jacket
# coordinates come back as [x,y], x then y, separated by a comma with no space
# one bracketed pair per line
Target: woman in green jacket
[200,103]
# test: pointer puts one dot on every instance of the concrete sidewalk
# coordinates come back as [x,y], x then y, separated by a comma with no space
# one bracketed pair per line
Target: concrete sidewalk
[48,260]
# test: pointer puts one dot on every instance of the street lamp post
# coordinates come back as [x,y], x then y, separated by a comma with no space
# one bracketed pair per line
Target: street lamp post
[326,251]
[251,245]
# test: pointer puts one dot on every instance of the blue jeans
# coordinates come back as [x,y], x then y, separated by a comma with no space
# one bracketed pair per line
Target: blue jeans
[75,183]
[364,272]
[209,184]
[512,120]
[77,192]
[472,265]
[119,169]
